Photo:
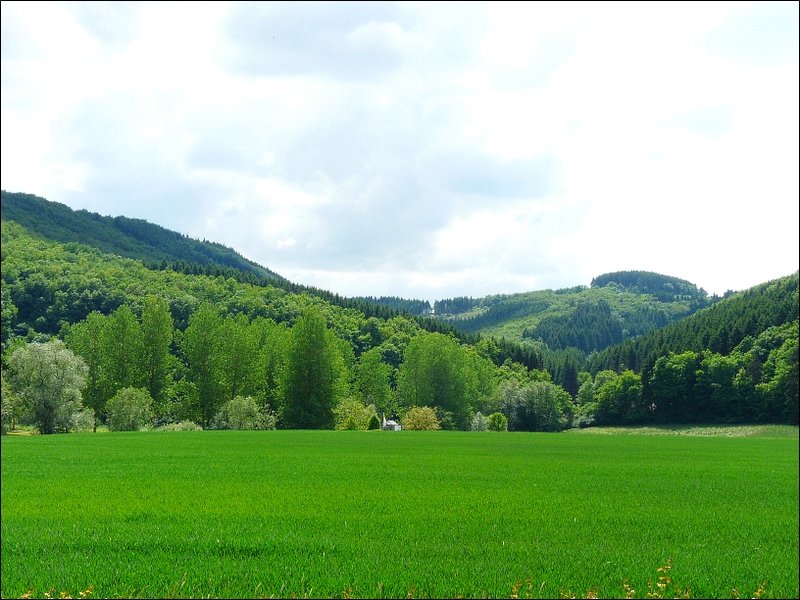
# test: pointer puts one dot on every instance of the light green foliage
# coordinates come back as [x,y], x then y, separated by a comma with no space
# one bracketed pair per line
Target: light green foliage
[241,412]
[238,349]
[373,376]
[352,414]
[129,409]
[497,422]
[619,400]
[273,341]
[421,418]
[121,351]
[48,379]
[238,514]
[316,375]
[436,372]
[86,339]
[157,330]
[200,342]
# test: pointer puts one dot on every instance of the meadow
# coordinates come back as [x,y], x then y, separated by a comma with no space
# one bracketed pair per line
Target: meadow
[400,514]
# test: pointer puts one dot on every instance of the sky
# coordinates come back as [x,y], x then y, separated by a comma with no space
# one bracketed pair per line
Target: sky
[422,150]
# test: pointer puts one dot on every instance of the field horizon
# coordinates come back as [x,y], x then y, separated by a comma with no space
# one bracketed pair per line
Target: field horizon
[399,514]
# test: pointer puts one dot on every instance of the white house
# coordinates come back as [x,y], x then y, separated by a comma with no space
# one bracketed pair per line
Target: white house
[390,424]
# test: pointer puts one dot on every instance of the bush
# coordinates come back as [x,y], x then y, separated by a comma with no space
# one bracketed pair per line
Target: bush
[83,420]
[269,420]
[497,422]
[479,422]
[374,423]
[129,410]
[421,418]
[181,426]
[352,414]
[240,413]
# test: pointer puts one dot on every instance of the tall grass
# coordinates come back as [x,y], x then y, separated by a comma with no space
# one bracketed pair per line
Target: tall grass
[393,514]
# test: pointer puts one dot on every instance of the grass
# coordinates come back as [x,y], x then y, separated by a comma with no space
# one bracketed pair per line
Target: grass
[378,514]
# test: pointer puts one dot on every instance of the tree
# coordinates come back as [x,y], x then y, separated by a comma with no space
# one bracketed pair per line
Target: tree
[130,409]
[238,354]
[7,412]
[8,316]
[273,342]
[672,387]
[435,372]
[421,418]
[373,377]
[199,344]
[121,351]
[619,400]
[48,379]
[535,406]
[315,374]
[157,329]
[85,339]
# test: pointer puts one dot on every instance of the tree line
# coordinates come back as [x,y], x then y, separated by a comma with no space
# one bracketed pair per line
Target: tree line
[216,352]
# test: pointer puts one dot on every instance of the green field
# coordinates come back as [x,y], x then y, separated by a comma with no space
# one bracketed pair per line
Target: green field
[393,514]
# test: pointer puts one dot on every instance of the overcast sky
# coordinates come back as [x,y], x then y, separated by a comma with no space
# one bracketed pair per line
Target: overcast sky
[422,150]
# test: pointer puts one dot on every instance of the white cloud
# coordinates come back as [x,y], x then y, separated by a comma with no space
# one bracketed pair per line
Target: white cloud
[429,150]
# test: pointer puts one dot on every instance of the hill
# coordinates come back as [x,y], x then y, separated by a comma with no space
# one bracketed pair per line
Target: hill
[719,328]
[131,238]
[617,306]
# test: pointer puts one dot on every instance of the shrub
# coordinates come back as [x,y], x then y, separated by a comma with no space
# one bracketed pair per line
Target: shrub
[374,423]
[497,422]
[479,422]
[421,418]
[129,410]
[241,412]
[181,426]
[352,414]
[83,420]
[269,420]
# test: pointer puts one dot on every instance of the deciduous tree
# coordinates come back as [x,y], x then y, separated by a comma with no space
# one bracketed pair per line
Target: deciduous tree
[48,379]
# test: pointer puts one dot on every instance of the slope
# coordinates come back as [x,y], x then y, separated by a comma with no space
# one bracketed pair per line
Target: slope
[719,328]
[131,238]
[616,307]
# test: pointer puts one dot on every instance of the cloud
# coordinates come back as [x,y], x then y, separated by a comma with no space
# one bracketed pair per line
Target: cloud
[422,149]
[764,33]
[343,40]
[114,23]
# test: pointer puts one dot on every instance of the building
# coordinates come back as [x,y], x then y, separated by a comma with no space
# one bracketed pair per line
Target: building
[391,424]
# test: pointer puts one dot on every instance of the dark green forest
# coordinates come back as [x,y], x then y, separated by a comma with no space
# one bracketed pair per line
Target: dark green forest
[635,347]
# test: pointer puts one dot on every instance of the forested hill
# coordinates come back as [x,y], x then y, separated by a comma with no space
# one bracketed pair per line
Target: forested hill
[617,306]
[131,238]
[719,328]
[662,287]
